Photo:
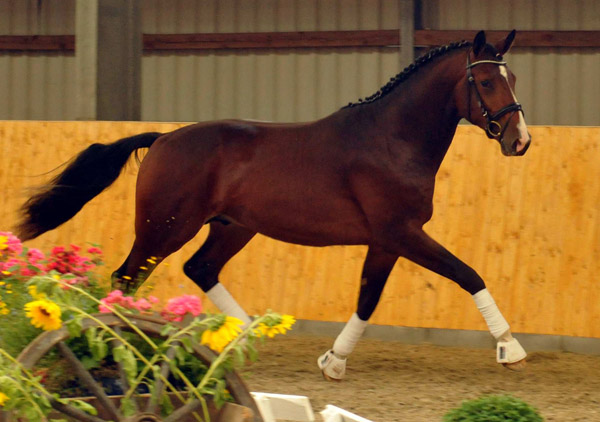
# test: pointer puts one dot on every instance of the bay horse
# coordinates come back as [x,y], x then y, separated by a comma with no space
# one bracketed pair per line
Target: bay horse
[363,175]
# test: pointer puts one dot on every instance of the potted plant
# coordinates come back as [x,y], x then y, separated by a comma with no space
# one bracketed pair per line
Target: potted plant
[89,356]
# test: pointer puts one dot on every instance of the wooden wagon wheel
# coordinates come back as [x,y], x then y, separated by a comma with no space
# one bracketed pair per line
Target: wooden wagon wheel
[146,410]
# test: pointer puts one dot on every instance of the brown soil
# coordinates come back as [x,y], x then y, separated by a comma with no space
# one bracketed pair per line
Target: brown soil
[390,381]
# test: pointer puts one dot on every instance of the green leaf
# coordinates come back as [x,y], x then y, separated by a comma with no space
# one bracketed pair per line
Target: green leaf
[128,407]
[156,372]
[86,407]
[31,414]
[74,327]
[187,344]
[99,349]
[167,329]
[90,334]
[252,353]
[219,393]
[127,359]
[239,356]
[44,401]
[181,355]
[118,353]
[166,406]
[89,362]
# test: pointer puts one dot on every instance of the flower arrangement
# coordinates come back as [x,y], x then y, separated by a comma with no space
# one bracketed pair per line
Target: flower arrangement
[59,292]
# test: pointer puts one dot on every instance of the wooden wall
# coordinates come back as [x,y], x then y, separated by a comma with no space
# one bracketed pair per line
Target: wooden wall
[529,225]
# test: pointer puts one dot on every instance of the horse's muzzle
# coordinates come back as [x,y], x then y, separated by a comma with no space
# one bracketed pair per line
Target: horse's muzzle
[519,147]
[516,148]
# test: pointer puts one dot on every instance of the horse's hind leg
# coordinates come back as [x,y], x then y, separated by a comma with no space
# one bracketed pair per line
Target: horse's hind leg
[153,243]
[377,267]
[222,243]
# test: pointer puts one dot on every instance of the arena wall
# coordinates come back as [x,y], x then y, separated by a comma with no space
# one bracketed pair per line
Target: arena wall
[529,225]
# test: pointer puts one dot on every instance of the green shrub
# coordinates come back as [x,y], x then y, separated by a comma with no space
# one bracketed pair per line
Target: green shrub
[494,409]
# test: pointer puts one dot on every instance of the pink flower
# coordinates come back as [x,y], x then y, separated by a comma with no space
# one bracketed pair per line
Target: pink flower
[11,243]
[34,255]
[178,307]
[142,305]
[128,302]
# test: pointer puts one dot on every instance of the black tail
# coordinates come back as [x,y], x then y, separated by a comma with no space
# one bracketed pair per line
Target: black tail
[88,174]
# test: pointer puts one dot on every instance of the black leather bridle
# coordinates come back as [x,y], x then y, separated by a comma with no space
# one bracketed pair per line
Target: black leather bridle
[493,128]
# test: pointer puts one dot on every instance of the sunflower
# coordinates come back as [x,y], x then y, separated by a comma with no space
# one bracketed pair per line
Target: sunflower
[3,398]
[220,335]
[275,326]
[44,314]
[3,242]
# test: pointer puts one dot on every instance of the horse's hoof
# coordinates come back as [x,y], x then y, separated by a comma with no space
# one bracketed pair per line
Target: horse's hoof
[332,367]
[328,378]
[516,366]
[511,354]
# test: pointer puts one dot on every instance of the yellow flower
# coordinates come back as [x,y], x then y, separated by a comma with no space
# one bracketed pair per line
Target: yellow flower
[34,293]
[280,327]
[4,309]
[3,398]
[3,242]
[218,337]
[44,314]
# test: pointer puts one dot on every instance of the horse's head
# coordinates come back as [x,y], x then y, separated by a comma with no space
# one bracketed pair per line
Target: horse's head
[491,103]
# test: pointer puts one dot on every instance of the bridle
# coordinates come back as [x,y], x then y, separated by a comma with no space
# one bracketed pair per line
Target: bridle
[493,128]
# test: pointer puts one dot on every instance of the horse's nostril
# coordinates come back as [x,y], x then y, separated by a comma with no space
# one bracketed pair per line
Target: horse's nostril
[519,147]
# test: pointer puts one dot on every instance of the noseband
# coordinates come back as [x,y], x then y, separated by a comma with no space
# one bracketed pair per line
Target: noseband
[493,128]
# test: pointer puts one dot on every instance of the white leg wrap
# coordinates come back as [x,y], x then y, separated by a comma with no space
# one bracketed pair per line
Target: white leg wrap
[352,332]
[509,351]
[226,303]
[488,308]
[333,362]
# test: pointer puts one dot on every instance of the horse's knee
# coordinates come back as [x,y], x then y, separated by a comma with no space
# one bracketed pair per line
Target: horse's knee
[204,274]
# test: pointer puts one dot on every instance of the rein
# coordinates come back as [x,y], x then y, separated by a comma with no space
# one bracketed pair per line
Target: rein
[493,128]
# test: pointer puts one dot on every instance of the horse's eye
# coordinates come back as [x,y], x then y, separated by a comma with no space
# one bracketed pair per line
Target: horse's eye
[486,84]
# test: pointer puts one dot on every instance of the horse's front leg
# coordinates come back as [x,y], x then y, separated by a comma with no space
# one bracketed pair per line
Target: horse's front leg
[423,250]
[376,269]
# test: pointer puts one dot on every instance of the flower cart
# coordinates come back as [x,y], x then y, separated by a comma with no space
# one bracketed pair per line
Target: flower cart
[242,409]
[85,355]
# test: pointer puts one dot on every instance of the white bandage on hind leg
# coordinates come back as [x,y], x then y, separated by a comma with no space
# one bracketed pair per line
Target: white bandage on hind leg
[488,308]
[226,303]
[352,332]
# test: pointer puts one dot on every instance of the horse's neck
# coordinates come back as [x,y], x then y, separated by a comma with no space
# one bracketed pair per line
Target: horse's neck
[421,112]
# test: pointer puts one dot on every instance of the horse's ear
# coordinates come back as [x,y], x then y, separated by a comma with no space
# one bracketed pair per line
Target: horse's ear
[504,46]
[478,42]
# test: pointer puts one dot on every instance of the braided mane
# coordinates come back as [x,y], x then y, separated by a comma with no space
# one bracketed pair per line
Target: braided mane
[409,70]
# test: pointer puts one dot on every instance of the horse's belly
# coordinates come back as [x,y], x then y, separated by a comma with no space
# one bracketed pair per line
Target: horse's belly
[305,223]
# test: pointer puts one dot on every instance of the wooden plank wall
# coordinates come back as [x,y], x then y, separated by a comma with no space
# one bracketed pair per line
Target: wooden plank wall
[528,225]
